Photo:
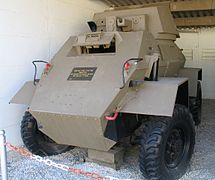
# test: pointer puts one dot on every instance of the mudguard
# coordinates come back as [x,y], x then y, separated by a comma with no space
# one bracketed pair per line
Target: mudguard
[25,94]
[156,98]
[194,75]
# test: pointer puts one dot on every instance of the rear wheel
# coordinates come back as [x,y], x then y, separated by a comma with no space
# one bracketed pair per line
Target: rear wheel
[196,105]
[37,142]
[167,145]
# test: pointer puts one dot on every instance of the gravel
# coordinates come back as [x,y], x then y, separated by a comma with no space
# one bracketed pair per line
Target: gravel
[202,163]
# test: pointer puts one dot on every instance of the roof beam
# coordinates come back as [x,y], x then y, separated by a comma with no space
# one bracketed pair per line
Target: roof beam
[185,12]
[134,3]
[213,4]
[192,5]
[195,21]
[165,3]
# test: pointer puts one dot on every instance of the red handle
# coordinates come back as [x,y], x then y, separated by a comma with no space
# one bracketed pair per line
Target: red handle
[127,66]
[112,118]
[48,66]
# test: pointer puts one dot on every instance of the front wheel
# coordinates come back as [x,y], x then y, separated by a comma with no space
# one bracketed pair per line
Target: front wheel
[37,142]
[167,145]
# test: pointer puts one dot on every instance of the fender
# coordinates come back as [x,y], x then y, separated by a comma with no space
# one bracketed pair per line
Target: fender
[25,94]
[194,75]
[157,98]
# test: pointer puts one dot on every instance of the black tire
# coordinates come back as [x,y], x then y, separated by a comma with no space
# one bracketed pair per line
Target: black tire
[196,105]
[37,142]
[163,136]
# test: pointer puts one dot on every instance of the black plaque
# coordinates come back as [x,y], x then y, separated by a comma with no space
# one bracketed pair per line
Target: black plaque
[82,74]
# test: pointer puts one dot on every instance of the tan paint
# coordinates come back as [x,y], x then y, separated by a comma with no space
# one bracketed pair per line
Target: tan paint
[158,19]
[73,130]
[25,94]
[154,98]
[192,74]
[112,158]
[72,112]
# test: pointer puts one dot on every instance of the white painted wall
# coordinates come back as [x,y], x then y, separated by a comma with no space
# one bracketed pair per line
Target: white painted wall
[29,30]
[201,46]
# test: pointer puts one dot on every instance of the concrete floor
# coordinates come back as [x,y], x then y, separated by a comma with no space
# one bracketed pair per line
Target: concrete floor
[202,163]
[203,160]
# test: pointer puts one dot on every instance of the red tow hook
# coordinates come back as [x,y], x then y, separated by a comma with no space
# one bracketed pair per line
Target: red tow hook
[112,118]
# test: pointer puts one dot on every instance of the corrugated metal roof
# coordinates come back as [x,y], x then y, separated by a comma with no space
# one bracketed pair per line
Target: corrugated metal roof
[120,3]
[199,13]
[181,9]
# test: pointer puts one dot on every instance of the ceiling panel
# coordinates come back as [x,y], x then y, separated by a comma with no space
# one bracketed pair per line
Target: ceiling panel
[186,12]
[120,3]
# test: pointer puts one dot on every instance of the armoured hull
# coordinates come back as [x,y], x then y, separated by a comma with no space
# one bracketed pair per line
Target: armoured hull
[72,99]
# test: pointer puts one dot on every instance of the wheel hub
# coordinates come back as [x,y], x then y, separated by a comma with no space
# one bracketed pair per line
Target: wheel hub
[174,148]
